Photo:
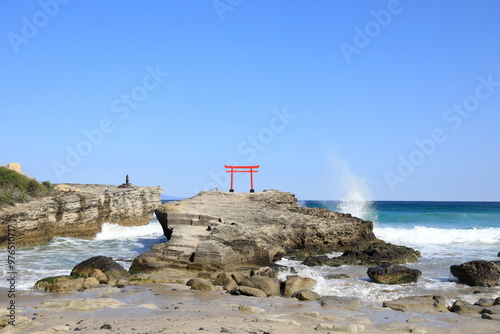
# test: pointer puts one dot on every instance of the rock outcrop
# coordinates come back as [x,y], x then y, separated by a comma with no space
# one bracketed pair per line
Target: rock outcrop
[262,282]
[305,294]
[346,303]
[78,304]
[478,273]
[420,304]
[78,214]
[296,283]
[223,231]
[66,284]
[270,286]
[393,274]
[488,308]
[376,253]
[103,268]
[200,284]
[87,274]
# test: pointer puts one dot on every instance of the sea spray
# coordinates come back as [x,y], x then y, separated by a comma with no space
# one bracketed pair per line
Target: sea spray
[113,231]
[61,254]
[357,200]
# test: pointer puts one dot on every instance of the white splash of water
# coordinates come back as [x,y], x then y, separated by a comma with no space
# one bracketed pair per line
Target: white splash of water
[357,199]
[115,232]
[61,254]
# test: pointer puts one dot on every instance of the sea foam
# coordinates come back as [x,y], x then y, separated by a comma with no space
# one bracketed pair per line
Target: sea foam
[422,236]
[61,254]
[113,231]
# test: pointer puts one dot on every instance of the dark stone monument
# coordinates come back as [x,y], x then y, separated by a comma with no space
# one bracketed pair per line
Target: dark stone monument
[127,184]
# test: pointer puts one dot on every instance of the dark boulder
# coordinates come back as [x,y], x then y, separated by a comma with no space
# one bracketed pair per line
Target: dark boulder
[393,274]
[379,253]
[318,260]
[87,274]
[105,264]
[478,273]
[376,253]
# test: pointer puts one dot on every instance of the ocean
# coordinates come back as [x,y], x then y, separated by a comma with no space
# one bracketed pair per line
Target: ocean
[59,256]
[445,233]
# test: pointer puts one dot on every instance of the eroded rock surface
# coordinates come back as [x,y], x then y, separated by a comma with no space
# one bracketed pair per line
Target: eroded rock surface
[78,213]
[345,303]
[223,231]
[375,253]
[393,274]
[295,283]
[478,273]
[420,304]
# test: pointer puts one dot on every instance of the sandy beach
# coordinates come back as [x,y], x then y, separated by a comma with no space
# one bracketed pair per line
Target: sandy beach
[174,308]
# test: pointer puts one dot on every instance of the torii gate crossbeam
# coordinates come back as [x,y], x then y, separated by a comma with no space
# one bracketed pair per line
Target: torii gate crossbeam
[242,169]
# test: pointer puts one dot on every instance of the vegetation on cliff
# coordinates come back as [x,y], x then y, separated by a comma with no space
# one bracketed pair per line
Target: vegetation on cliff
[18,188]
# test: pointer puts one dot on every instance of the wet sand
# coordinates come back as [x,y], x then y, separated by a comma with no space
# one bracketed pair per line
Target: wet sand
[172,308]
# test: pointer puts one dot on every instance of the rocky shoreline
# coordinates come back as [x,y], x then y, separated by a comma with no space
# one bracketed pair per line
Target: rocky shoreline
[251,301]
[220,257]
[217,231]
[176,308]
[264,283]
[78,210]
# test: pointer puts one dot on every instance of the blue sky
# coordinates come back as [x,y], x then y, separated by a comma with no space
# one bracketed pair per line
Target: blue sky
[398,100]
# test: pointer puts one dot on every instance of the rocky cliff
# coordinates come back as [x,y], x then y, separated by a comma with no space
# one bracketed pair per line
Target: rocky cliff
[77,213]
[222,231]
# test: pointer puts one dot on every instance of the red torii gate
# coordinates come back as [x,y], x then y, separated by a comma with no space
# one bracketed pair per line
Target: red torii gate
[238,169]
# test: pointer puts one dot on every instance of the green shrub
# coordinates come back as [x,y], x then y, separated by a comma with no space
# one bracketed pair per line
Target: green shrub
[18,188]
[47,185]
[6,198]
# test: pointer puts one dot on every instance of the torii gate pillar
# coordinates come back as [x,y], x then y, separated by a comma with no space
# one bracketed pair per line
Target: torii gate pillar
[242,169]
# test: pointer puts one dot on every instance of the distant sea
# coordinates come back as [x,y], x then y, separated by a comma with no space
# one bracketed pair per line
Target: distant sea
[445,233]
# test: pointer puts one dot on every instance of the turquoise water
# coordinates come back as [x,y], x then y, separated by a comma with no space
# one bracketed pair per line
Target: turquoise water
[463,215]
[446,233]
[429,214]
